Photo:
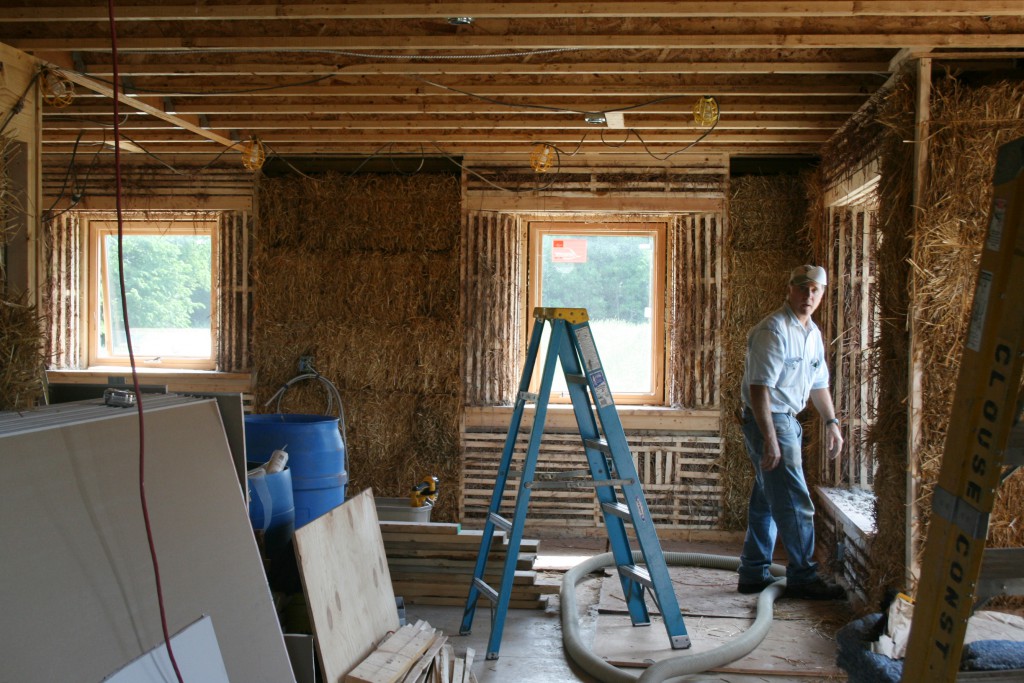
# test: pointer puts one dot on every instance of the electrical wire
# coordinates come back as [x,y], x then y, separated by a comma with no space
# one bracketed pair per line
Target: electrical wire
[19,103]
[131,352]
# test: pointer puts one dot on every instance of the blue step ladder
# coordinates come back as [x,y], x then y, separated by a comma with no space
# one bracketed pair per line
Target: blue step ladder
[610,470]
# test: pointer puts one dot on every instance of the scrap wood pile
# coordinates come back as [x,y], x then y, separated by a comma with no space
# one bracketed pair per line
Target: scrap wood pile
[416,653]
[432,564]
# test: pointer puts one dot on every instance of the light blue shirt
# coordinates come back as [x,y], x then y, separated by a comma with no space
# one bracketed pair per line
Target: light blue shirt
[786,357]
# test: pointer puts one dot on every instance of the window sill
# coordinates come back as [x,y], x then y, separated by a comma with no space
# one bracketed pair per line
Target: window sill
[175,380]
[632,417]
[853,508]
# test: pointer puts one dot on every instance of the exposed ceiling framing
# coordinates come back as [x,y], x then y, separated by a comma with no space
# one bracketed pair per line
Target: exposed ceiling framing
[361,78]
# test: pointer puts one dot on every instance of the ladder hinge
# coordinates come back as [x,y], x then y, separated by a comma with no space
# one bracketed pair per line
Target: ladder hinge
[598,445]
[575,379]
[527,397]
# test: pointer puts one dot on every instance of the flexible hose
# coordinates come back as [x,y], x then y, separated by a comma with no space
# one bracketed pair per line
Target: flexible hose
[680,665]
[332,395]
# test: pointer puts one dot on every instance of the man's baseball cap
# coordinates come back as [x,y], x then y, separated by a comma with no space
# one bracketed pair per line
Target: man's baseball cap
[808,273]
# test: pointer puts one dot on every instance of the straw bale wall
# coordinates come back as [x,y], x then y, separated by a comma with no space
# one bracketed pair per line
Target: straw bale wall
[767,238]
[968,126]
[362,274]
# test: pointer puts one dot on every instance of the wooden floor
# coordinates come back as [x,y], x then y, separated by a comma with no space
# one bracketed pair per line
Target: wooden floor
[799,647]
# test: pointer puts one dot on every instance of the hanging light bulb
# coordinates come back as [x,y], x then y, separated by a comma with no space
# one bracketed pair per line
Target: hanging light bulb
[705,111]
[541,157]
[58,91]
[253,154]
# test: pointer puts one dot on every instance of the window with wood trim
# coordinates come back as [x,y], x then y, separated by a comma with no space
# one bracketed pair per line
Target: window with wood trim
[170,267]
[617,272]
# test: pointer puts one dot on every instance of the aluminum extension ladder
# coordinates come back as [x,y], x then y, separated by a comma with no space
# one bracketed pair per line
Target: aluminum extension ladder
[986,406]
[610,469]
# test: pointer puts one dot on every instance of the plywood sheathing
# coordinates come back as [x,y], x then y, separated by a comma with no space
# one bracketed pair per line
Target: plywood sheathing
[362,273]
[767,239]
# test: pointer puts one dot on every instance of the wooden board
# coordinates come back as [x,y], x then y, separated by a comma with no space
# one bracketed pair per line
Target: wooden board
[78,594]
[347,583]
[710,593]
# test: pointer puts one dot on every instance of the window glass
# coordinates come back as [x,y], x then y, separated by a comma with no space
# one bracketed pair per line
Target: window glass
[614,271]
[169,271]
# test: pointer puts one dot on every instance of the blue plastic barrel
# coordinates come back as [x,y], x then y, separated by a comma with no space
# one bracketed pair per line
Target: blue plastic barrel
[272,508]
[316,458]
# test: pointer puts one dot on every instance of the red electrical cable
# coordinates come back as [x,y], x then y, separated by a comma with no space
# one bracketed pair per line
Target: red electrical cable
[131,352]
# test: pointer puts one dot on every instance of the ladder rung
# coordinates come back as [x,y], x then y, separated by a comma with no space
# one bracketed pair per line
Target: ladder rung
[575,379]
[486,590]
[527,397]
[638,574]
[618,510]
[577,483]
[500,522]
[598,445]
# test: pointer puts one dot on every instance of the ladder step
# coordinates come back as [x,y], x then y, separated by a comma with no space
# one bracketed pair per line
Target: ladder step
[638,574]
[485,589]
[575,379]
[1014,454]
[598,445]
[1002,572]
[499,521]
[618,510]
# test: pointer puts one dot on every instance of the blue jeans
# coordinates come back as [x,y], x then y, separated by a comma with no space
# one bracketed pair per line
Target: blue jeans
[780,505]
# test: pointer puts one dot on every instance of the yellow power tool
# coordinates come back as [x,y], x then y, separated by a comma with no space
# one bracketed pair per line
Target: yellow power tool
[424,493]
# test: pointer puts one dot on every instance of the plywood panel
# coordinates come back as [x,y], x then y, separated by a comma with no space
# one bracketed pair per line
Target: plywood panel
[78,585]
[347,583]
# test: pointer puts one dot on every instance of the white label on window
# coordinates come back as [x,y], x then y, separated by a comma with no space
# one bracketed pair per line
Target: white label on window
[978,310]
[588,349]
[995,226]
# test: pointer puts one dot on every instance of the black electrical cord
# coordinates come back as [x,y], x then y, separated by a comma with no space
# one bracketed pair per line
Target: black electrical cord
[131,354]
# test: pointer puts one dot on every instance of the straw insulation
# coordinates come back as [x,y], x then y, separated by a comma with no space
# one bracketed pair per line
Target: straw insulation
[362,274]
[767,240]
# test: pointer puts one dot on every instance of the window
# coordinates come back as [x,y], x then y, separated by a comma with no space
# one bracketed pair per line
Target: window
[169,267]
[617,272]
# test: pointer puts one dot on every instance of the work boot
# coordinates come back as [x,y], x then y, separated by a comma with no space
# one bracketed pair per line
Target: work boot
[748,587]
[819,589]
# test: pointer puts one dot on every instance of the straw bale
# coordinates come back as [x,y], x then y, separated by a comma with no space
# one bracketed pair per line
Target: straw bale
[968,126]
[767,215]
[362,274]
[21,355]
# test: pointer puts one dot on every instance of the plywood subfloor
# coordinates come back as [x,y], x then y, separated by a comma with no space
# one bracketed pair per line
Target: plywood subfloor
[800,641]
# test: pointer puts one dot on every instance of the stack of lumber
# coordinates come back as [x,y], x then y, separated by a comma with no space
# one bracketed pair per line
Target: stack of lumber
[416,653]
[432,564]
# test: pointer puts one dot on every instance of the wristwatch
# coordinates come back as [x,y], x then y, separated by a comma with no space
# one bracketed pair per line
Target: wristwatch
[834,420]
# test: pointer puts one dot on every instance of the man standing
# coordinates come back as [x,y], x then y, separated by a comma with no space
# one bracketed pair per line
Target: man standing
[785,365]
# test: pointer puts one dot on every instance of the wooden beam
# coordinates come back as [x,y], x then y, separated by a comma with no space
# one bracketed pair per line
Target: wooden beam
[107,91]
[755,66]
[912,524]
[510,10]
[497,42]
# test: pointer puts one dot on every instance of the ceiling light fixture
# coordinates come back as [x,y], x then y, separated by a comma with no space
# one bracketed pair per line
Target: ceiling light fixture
[58,91]
[253,154]
[596,118]
[541,157]
[705,111]
[460,21]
